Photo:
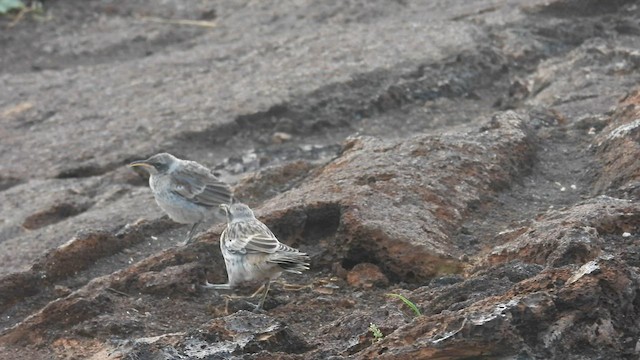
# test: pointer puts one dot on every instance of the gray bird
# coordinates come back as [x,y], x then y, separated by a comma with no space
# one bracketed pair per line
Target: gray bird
[187,191]
[252,254]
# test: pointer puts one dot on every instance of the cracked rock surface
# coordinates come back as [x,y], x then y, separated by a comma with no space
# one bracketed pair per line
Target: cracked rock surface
[477,158]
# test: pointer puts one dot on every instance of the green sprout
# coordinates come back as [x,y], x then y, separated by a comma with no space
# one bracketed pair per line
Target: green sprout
[377,334]
[407,302]
[6,6]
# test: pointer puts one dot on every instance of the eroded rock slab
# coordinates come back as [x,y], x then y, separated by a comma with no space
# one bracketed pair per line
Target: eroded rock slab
[395,203]
[573,236]
[552,315]
[618,146]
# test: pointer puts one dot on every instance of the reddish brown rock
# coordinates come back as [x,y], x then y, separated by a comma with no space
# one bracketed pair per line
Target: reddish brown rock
[179,279]
[572,236]
[618,146]
[567,306]
[53,215]
[384,201]
[267,183]
[365,275]
[75,256]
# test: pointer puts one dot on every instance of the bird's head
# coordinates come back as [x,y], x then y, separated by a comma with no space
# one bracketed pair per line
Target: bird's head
[157,164]
[237,212]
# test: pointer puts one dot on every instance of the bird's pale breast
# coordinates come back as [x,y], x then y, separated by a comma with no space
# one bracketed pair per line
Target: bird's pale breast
[178,208]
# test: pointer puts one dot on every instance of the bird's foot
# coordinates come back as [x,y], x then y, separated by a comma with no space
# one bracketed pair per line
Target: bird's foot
[208,285]
[256,308]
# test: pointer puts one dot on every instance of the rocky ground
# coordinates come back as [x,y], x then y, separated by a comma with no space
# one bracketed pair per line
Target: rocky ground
[479,158]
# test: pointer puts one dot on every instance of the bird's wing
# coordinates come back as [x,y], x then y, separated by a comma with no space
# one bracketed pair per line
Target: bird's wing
[196,183]
[252,237]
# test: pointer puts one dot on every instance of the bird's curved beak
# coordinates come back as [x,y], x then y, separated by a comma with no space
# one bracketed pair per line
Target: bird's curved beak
[142,163]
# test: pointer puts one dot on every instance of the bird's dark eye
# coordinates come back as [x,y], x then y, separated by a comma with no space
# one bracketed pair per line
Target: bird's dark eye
[160,166]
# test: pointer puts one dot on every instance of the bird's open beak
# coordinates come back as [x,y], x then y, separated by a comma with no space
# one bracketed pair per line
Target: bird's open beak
[142,163]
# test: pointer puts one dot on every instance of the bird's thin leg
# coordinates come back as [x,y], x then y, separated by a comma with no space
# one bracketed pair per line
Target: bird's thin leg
[208,285]
[264,296]
[257,308]
[292,287]
[191,232]
[260,289]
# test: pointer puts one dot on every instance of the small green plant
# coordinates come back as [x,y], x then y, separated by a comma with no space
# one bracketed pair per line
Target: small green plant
[408,302]
[377,334]
[7,6]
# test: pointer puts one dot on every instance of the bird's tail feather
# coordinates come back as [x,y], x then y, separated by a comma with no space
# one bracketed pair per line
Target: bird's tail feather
[292,262]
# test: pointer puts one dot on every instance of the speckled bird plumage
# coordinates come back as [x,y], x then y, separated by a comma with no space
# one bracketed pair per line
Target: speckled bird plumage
[252,253]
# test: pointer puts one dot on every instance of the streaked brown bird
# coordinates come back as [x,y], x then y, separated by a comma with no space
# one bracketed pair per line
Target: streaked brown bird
[253,254]
[187,191]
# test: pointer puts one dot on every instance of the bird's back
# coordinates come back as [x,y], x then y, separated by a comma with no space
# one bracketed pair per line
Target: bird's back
[197,184]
